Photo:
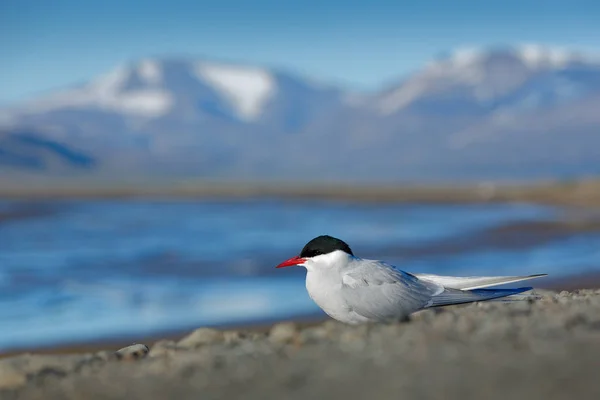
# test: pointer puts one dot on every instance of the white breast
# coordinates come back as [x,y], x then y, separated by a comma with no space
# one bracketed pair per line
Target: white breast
[324,287]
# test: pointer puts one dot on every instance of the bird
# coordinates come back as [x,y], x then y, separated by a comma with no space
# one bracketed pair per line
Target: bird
[355,291]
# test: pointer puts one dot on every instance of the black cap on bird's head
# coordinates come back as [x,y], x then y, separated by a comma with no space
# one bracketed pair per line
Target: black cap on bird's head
[324,244]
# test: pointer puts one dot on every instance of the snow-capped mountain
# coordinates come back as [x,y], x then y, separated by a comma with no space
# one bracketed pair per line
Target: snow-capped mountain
[475,81]
[152,89]
[507,112]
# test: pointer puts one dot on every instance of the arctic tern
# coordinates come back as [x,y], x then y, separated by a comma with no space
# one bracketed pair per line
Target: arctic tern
[353,290]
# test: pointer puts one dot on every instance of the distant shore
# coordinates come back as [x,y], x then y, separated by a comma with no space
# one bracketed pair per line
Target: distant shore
[583,193]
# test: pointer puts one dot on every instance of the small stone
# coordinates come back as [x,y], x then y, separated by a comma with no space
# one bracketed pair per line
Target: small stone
[230,337]
[201,337]
[132,352]
[163,348]
[284,332]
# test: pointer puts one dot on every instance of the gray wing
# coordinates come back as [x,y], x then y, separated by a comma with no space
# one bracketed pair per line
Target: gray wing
[376,290]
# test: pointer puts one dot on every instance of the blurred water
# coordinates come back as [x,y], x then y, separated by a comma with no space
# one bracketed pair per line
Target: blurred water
[88,270]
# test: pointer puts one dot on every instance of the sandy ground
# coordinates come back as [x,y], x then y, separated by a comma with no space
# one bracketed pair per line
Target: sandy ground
[547,348]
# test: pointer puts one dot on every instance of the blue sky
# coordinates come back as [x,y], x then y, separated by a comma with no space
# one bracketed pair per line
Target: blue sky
[363,44]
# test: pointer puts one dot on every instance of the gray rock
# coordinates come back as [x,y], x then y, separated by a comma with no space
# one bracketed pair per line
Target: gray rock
[201,337]
[133,352]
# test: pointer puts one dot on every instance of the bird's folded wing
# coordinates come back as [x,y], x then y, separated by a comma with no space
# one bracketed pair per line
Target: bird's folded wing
[374,289]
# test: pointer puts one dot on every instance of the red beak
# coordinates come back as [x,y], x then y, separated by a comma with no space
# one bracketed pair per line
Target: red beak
[292,261]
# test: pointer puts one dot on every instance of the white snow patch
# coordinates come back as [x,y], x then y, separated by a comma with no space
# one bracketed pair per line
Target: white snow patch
[462,67]
[148,103]
[462,57]
[537,56]
[247,89]
[150,71]
[106,93]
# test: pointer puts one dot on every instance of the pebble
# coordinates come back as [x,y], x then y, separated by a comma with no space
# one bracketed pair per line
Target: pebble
[133,352]
[201,337]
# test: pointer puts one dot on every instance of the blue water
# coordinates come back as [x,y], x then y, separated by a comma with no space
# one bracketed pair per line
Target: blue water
[95,269]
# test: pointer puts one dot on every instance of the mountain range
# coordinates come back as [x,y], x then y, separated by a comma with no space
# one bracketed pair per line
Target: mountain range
[513,112]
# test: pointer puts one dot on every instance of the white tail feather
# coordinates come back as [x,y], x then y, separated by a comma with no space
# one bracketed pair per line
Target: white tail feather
[474,282]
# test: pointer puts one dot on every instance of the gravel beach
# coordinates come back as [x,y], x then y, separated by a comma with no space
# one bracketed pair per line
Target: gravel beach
[547,348]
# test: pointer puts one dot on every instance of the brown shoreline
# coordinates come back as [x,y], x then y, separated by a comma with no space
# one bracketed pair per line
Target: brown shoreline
[583,193]
[94,346]
[587,280]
